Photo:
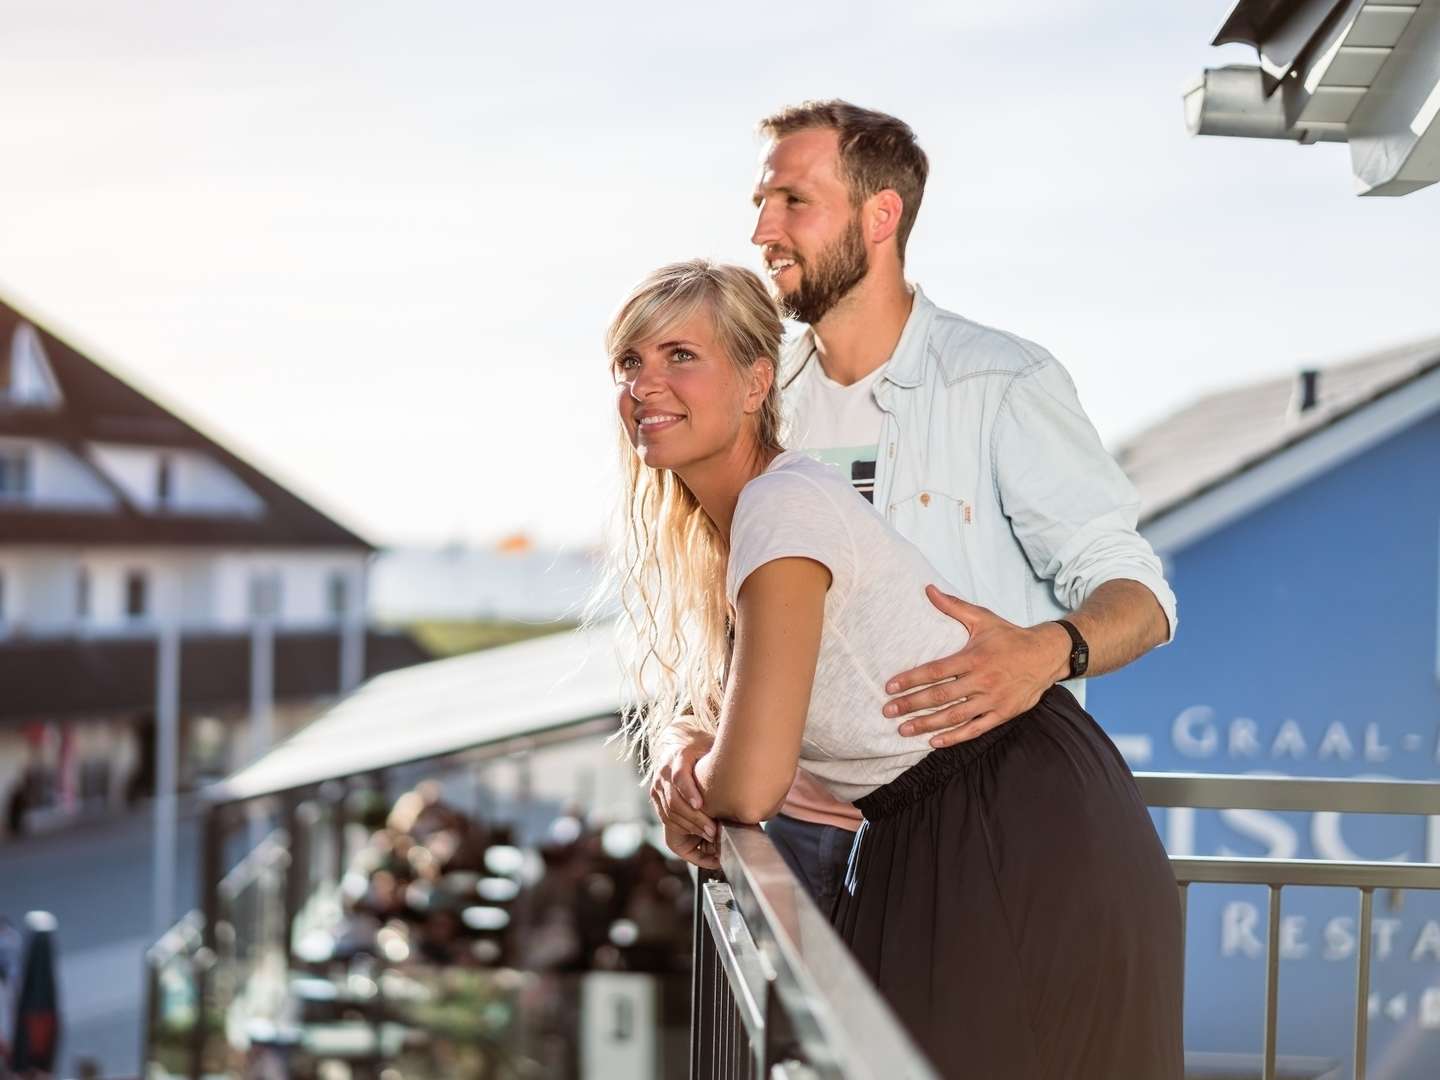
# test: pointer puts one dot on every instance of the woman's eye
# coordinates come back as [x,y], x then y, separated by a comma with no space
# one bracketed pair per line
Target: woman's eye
[682,354]
[627,363]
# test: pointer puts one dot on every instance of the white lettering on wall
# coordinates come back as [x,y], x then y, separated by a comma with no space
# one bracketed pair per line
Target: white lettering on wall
[1180,831]
[1292,944]
[1289,740]
[1336,743]
[1428,941]
[1339,938]
[1237,930]
[1194,732]
[1280,840]
[1374,749]
[1244,737]
[1385,931]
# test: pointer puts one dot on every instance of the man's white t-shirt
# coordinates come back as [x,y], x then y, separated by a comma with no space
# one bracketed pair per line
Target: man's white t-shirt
[878,619]
[839,425]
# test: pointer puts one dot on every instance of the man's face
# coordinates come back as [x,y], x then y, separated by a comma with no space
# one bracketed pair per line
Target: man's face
[807,230]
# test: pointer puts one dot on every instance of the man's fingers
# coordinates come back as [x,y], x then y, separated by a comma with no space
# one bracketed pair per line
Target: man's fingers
[947,667]
[957,609]
[965,732]
[931,697]
[962,712]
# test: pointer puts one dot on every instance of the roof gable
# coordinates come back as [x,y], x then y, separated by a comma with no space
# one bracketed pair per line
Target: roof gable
[1235,449]
[95,406]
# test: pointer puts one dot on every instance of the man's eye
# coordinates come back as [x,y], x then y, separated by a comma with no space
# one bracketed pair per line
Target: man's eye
[793,200]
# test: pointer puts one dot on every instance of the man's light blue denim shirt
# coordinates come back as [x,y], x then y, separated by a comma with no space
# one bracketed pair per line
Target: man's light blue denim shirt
[989,465]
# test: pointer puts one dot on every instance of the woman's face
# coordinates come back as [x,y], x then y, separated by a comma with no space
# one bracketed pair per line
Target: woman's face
[681,398]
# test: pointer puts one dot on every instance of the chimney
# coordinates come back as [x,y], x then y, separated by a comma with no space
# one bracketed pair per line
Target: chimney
[1309,391]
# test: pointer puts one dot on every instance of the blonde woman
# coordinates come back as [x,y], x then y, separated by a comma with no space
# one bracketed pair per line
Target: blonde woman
[1008,895]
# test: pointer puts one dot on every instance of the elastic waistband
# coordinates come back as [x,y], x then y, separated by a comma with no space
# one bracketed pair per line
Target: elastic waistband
[937,767]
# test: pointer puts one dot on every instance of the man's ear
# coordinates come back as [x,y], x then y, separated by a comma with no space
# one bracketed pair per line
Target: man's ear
[881,215]
[762,377]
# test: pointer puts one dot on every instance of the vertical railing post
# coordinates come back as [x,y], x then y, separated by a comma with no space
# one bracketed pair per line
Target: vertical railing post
[1272,982]
[1362,981]
[704,968]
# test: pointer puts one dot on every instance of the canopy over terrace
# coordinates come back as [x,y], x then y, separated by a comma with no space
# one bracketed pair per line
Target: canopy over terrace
[444,707]
[1356,71]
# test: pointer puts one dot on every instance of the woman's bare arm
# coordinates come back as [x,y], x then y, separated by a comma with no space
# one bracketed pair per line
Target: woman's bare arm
[781,608]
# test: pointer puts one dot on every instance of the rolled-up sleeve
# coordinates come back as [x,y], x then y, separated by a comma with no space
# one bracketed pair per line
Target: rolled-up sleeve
[1071,507]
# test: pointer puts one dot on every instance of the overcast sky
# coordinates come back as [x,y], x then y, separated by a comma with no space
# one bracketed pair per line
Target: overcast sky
[373,247]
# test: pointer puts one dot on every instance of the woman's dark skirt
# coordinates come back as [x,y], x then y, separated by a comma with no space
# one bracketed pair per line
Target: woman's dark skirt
[1012,902]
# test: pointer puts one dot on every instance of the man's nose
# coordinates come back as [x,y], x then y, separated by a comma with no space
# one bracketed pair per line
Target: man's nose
[765,229]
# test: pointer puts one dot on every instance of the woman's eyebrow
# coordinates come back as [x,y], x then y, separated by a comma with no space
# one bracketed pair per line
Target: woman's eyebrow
[677,345]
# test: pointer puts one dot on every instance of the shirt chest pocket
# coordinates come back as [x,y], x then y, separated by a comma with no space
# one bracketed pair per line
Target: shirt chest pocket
[938,524]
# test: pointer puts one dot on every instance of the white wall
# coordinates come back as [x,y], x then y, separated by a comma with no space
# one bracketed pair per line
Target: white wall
[207,589]
[59,480]
[198,483]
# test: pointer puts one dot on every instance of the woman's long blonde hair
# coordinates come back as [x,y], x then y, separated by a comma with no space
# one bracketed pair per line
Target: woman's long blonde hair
[668,561]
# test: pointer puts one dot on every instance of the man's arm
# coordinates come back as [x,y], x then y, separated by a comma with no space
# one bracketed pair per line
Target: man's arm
[1004,669]
[1073,512]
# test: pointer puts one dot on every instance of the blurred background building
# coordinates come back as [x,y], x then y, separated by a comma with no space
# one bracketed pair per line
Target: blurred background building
[116,518]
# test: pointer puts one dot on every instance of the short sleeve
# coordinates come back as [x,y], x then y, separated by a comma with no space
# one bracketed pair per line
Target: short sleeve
[784,515]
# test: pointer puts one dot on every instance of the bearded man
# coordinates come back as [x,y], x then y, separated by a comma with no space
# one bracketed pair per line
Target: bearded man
[972,443]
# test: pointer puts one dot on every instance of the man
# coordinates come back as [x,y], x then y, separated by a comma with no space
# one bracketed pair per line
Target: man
[972,443]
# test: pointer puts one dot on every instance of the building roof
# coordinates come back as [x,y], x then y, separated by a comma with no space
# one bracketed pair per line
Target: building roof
[1223,435]
[66,677]
[445,707]
[99,407]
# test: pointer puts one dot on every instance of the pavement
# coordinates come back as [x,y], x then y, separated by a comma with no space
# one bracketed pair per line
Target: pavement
[95,878]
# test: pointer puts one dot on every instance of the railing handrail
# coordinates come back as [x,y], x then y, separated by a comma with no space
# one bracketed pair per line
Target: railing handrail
[1320,873]
[835,1010]
[1215,791]
[272,851]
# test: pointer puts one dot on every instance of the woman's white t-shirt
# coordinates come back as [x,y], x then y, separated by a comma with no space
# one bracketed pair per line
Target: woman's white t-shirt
[878,620]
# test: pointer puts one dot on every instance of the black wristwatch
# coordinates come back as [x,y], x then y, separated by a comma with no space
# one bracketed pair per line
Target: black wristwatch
[1079,650]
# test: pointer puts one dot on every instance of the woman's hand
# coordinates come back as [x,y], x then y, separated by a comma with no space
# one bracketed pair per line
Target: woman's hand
[674,793]
[693,849]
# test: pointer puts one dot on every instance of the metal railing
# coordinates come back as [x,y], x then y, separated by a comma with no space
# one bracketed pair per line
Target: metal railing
[776,994]
[1203,792]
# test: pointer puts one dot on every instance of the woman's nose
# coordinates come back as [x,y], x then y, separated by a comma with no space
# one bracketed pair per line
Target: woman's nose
[646,383]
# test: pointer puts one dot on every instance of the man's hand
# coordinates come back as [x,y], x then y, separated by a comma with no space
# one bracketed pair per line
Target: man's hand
[675,795]
[1000,673]
[693,849]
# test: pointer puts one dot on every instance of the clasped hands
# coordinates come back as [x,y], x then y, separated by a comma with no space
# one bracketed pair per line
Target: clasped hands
[1000,673]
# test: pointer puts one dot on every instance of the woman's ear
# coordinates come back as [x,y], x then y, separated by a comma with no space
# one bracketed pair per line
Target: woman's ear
[762,377]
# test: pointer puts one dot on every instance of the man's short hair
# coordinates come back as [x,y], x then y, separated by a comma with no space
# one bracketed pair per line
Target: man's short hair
[877,151]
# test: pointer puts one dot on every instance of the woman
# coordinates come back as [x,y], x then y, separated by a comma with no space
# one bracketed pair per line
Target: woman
[1008,895]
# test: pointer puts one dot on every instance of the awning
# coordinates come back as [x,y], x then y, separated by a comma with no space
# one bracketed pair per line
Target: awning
[444,707]
[1336,71]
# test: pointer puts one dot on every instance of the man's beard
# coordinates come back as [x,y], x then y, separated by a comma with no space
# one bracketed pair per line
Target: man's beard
[838,269]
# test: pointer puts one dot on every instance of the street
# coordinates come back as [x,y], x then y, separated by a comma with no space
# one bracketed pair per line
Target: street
[95,879]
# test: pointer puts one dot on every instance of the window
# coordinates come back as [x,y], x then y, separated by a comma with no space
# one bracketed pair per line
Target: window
[339,595]
[265,594]
[82,594]
[164,482]
[137,598]
[14,473]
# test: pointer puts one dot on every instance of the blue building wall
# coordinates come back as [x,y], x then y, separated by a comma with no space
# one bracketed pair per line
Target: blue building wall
[1307,646]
